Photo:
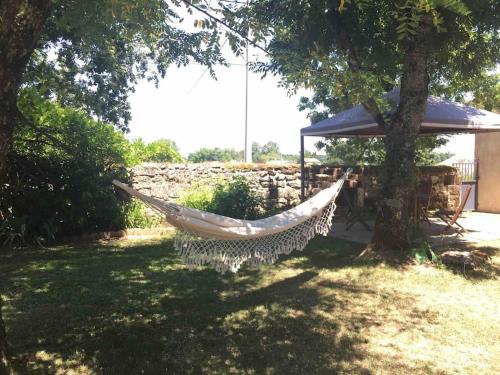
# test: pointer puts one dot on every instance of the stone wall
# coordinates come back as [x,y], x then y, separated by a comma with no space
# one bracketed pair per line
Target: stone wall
[279,185]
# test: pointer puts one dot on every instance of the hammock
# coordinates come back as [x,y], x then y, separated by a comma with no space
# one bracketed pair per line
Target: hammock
[224,243]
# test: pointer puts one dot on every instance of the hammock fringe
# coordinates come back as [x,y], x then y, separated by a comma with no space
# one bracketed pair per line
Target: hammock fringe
[229,255]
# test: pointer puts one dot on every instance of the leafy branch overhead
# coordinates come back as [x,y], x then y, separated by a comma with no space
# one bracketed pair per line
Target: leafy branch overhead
[93,52]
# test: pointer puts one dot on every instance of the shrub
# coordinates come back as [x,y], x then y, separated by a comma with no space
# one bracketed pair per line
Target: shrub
[58,179]
[233,198]
[136,217]
[199,196]
[215,154]
[160,151]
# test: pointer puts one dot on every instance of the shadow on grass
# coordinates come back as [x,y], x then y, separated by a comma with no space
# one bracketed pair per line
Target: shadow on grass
[136,310]
[490,268]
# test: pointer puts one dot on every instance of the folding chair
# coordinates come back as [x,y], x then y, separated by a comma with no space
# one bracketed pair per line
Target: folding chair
[450,220]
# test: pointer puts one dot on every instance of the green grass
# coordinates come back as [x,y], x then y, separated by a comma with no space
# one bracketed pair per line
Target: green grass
[130,307]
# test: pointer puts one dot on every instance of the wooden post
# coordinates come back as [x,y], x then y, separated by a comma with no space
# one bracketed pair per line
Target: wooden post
[302,170]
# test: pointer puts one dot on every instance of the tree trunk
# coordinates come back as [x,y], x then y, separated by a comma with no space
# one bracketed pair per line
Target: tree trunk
[21,24]
[393,225]
[4,364]
[7,117]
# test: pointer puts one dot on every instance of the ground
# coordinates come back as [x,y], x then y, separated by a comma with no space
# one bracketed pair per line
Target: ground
[130,307]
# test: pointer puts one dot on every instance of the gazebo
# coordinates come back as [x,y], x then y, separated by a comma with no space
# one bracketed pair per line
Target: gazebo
[442,117]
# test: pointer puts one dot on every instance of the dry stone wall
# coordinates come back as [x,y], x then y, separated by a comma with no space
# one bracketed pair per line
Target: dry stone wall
[279,185]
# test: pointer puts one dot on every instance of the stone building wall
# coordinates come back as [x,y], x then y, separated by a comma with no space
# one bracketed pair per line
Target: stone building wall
[279,185]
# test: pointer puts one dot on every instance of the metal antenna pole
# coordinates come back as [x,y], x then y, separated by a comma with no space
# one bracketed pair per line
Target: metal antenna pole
[248,147]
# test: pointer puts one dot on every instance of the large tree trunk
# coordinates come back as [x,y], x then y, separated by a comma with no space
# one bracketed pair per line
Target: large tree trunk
[393,226]
[21,24]
[4,364]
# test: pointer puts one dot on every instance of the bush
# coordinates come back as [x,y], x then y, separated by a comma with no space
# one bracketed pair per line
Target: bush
[233,198]
[58,179]
[160,151]
[199,196]
[215,154]
[136,217]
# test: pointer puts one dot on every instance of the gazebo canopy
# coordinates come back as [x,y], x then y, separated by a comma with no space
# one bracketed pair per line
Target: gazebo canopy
[441,117]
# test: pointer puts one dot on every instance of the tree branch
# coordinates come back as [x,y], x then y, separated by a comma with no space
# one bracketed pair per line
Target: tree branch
[370,105]
[56,142]
[218,20]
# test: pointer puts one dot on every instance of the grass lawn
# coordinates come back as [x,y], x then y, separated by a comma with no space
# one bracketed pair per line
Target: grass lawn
[130,307]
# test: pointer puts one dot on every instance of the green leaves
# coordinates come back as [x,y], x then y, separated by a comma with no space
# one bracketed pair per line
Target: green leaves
[159,151]
[215,154]
[60,172]
[410,13]
[423,253]
[233,198]
[93,52]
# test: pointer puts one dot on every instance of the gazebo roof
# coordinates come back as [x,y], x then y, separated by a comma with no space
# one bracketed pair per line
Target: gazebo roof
[441,117]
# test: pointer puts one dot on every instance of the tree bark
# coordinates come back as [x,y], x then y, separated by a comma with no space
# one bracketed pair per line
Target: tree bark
[393,225]
[4,363]
[21,24]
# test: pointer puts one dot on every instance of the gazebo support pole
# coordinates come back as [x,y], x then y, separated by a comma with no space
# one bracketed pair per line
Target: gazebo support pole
[302,170]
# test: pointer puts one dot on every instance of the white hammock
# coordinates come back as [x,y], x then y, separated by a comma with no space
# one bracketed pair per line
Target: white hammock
[224,243]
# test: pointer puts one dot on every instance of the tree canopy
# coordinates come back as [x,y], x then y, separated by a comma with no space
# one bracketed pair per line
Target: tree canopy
[92,53]
[266,152]
[215,154]
[159,151]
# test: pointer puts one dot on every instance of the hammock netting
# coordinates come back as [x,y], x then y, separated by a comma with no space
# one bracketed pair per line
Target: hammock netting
[230,255]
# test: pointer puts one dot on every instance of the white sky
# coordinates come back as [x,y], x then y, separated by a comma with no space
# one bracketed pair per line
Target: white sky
[211,114]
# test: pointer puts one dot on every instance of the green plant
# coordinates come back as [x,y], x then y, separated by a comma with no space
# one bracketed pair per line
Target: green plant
[233,197]
[58,180]
[159,151]
[199,195]
[215,154]
[136,216]
[12,233]
[424,253]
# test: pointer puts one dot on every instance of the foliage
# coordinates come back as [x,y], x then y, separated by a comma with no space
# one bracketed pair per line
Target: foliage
[93,52]
[159,151]
[266,152]
[371,151]
[307,47]
[199,195]
[487,93]
[424,253]
[215,154]
[233,198]
[135,216]
[51,189]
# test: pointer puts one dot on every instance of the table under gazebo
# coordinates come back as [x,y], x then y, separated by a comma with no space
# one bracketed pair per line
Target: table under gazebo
[442,117]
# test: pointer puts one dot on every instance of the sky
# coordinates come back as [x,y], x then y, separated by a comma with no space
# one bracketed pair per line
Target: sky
[194,110]
[197,113]
[204,112]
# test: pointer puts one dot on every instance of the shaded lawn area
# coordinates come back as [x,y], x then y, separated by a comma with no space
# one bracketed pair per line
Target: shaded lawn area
[130,307]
